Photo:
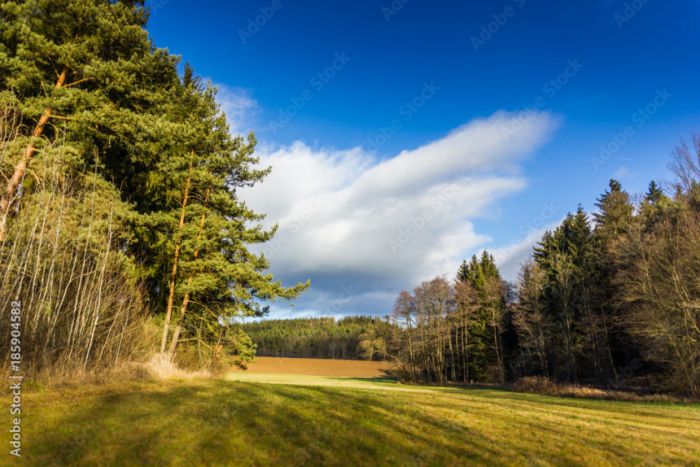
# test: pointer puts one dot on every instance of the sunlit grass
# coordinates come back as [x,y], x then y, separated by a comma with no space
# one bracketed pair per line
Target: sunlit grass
[305,420]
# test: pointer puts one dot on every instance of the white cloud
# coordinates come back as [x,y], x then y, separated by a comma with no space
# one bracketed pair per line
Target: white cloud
[349,220]
[239,107]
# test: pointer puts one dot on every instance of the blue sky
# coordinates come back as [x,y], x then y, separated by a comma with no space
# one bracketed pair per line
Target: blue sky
[371,111]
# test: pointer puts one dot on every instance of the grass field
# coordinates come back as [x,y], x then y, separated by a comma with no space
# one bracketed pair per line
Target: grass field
[302,419]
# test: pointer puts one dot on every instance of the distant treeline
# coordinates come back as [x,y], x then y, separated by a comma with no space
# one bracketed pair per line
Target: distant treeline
[315,337]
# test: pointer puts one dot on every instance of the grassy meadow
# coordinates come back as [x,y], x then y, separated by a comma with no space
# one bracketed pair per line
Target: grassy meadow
[250,418]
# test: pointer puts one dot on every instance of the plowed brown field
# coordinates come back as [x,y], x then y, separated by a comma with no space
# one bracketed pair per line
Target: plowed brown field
[319,367]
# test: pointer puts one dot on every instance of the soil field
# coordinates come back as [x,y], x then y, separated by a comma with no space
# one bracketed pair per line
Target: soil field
[319,367]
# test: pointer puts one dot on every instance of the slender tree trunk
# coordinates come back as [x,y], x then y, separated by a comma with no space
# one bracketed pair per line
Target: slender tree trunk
[465,348]
[186,299]
[497,346]
[176,259]
[542,351]
[466,351]
[21,167]
[410,348]
[569,352]
[451,348]
[608,347]
[425,350]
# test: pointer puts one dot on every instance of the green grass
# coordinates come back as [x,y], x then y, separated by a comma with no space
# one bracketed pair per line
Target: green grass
[300,420]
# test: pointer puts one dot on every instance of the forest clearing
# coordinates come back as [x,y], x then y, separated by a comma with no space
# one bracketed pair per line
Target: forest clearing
[329,420]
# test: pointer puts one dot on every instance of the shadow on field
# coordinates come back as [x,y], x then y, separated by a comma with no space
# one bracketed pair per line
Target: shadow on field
[375,379]
[229,423]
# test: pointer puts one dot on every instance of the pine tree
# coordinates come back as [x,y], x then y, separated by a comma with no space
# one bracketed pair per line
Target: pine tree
[654,194]
[564,257]
[212,272]
[88,68]
[613,220]
[486,327]
[531,323]
[463,272]
[615,210]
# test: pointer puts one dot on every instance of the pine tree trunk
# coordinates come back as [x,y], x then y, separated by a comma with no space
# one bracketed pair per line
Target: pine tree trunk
[186,299]
[21,167]
[176,259]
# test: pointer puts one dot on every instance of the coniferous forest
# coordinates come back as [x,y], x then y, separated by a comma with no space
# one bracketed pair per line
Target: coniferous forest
[607,299]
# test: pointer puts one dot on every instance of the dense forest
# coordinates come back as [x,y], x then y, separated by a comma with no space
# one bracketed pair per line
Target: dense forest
[119,206]
[610,299]
[315,337]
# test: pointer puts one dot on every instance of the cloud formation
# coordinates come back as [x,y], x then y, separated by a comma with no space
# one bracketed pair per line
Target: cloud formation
[364,228]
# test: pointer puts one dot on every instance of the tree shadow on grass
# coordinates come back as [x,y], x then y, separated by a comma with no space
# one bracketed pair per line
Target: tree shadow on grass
[227,423]
[230,423]
[372,379]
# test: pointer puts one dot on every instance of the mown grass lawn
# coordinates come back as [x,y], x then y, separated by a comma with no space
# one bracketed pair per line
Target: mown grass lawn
[219,422]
